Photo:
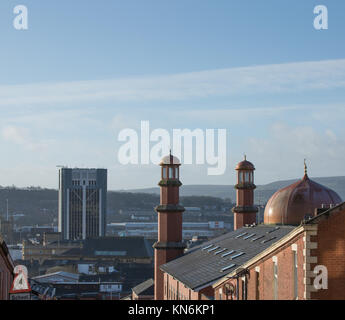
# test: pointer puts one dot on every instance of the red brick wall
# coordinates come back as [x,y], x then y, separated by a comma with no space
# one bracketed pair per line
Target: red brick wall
[175,290]
[169,194]
[285,275]
[331,253]
[6,274]
[162,257]
[170,226]
[244,197]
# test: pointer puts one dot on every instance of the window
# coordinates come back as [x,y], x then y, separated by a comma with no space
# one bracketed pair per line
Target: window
[171,173]
[176,173]
[246,177]
[220,294]
[257,284]
[295,275]
[275,278]
[244,288]
[240,177]
[165,173]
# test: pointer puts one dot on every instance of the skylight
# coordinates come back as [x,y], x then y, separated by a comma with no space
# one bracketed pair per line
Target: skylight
[207,247]
[220,251]
[215,248]
[267,240]
[275,229]
[257,238]
[250,236]
[237,255]
[242,234]
[228,253]
[228,267]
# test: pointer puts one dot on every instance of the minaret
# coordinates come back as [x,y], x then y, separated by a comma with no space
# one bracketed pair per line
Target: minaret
[169,245]
[245,211]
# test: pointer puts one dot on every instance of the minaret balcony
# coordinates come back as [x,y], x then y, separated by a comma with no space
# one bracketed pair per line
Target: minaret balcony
[245,186]
[170,183]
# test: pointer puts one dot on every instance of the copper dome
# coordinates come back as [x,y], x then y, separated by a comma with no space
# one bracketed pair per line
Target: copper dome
[290,205]
[245,165]
[170,159]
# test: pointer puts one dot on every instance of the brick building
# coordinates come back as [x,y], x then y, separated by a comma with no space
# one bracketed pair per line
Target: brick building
[298,253]
[6,270]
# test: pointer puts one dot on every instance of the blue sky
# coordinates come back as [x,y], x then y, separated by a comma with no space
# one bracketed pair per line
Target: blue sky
[84,71]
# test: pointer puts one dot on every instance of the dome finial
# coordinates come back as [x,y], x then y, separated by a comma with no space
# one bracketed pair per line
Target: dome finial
[245,157]
[305,167]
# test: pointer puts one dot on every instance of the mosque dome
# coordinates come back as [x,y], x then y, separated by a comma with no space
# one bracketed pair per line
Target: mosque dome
[290,205]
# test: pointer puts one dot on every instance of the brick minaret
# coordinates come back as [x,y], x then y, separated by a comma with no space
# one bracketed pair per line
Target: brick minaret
[169,245]
[245,211]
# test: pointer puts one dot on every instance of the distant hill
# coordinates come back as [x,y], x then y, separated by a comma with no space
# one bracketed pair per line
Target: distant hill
[40,206]
[262,193]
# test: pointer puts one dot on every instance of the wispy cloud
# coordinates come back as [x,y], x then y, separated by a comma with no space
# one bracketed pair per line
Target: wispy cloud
[324,150]
[224,82]
[21,136]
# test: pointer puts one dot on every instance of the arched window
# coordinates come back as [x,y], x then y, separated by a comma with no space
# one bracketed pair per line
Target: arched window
[240,177]
[246,177]
[165,173]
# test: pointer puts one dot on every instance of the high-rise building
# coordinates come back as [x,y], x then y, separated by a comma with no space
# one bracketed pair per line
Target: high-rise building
[82,203]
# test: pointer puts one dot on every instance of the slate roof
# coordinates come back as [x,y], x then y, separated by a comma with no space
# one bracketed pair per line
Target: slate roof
[130,247]
[145,288]
[57,277]
[112,277]
[202,265]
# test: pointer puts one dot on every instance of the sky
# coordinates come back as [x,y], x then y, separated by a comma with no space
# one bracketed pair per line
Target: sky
[85,70]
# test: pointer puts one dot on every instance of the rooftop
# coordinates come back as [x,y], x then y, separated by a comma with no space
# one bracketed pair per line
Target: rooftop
[145,288]
[204,264]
